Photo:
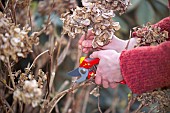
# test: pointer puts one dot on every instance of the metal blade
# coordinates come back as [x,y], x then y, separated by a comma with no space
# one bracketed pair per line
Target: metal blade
[74,73]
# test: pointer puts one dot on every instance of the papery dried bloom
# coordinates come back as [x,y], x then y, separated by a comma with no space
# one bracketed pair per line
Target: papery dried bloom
[115,5]
[159,98]
[41,77]
[95,16]
[29,87]
[15,42]
[150,36]
[59,6]
[30,94]
[76,23]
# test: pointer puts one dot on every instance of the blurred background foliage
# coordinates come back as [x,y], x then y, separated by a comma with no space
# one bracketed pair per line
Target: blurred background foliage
[139,13]
[111,100]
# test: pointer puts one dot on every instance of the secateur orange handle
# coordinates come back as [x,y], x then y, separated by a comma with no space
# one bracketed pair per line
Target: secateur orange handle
[89,63]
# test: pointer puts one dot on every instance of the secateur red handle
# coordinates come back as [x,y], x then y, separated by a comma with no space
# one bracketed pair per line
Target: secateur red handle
[89,63]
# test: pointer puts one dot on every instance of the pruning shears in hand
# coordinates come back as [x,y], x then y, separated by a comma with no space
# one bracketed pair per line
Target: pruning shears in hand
[86,69]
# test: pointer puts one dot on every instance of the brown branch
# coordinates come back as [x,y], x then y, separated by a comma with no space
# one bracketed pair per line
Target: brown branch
[130,103]
[29,14]
[98,103]
[4,102]
[128,40]
[86,100]
[37,58]
[10,73]
[1,5]
[2,81]
[54,101]
[139,108]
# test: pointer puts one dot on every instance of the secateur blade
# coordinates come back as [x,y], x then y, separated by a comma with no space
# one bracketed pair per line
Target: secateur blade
[82,72]
[74,73]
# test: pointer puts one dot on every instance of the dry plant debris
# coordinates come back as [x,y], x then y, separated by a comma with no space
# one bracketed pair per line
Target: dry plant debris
[158,99]
[150,36]
[15,41]
[29,87]
[96,15]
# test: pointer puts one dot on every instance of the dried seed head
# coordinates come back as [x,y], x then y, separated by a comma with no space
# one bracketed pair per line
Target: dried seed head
[150,36]
[14,41]
[29,87]
[159,98]
[115,5]
[96,15]
[30,94]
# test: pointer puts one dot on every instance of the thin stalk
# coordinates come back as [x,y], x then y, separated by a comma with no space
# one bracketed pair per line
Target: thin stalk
[10,74]
[37,58]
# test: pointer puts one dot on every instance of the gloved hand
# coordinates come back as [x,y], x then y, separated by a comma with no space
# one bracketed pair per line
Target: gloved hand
[115,44]
[108,70]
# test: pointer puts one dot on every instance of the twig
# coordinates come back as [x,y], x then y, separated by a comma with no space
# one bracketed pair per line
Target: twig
[151,110]
[1,5]
[128,40]
[63,86]
[6,4]
[68,103]
[2,81]
[13,11]
[139,108]
[98,103]
[63,54]
[29,13]
[131,101]
[37,58]
[4,102]
[86,100]
[10,74]
[54,101]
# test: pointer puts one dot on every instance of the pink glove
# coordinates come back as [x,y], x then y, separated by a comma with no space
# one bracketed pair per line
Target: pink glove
[108,71]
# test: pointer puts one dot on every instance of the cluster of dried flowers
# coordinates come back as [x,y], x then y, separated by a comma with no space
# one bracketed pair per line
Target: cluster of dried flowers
[115,5]
[159,99]
[29,87]
[59,6]
[96,14]
[150,35]
[14,41]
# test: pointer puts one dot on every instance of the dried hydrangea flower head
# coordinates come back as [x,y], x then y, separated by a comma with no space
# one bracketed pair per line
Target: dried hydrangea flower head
[14,41]
[60,6]
[97,15]
[30,94]
[149,35]
[115,5]
[159,99]
[75,23]
[29,87]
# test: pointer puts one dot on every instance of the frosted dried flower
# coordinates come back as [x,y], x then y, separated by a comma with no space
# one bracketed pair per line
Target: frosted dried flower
[93,15]
[150,36]
[115,5]
[41,77]
[29,87]
[159,98]
[14,41]
[29,94]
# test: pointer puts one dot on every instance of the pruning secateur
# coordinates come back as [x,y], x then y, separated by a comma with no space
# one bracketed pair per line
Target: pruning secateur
[86,69]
